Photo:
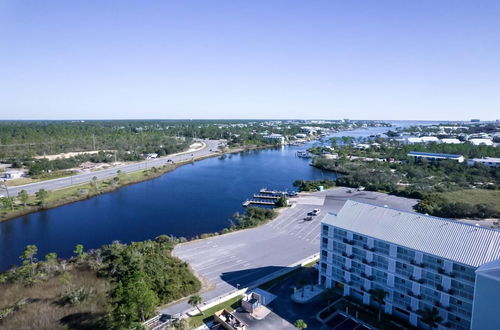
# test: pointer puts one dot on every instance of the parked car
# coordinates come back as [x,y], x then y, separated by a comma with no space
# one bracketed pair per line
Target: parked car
[316,211]
[308,218]
[165,317]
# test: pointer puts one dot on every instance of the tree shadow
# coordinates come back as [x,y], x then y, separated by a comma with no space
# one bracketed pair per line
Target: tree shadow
[83,321]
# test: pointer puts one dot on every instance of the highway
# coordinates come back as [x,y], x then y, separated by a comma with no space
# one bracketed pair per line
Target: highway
[60,183]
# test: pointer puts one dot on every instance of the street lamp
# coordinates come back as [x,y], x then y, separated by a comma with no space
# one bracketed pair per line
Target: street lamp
[4,186]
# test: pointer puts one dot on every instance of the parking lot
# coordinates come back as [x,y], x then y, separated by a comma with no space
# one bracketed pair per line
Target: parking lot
[237,259]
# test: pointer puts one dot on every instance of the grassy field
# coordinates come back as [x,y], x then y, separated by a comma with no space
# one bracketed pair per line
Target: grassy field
[229,305]
[48,176]
[43,308]
[475,196]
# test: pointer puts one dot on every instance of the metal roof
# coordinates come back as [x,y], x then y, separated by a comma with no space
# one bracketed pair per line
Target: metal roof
[449,239]
[431,154]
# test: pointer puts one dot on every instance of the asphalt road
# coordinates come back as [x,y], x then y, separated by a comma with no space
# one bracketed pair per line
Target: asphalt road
[237,259]
[107,173]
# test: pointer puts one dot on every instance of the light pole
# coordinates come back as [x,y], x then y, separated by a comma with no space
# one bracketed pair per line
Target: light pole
[6,188]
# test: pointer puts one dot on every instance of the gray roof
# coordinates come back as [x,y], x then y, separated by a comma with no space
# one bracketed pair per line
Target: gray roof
[432,154]
[448,239]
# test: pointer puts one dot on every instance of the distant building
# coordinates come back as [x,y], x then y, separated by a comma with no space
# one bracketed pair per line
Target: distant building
[433,157]
[429,139]
[300,136]
[487,161]
[413,140]
[275,137]
[421,262]
[481,142]
[362,146]
[450,141]
[13,174]
[152,155]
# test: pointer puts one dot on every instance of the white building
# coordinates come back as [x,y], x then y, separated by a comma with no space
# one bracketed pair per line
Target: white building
[422,262]
[413,140]
[481,142]
[450,141]
[434,157]
[487,161]
[13,174]
[300,136]
[429,139]
[275,137]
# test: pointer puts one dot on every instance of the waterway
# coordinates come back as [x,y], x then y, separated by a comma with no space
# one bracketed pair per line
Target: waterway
[189,201]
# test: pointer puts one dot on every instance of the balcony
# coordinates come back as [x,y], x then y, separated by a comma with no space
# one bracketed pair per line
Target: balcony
[369,263]
[419,264]
[348,241]
[350,256]
[347,269]
[366,247]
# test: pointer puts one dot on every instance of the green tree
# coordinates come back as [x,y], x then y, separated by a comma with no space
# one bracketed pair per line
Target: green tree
[29,253]
[194,301]
[80,253]
[28,271]
[42,196]
[133,301]
[379,296]
[300,324]
[282,201]
[430,316]
[51,261]
[23,197]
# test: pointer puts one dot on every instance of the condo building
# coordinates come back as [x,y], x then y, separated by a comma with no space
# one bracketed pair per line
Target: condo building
[421,262]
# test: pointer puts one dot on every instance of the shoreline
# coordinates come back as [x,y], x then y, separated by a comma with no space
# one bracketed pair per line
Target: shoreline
[71,198]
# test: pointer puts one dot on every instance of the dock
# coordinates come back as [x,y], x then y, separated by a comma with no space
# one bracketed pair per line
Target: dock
[272,192]
[277,193]
[257,202]
[266,196]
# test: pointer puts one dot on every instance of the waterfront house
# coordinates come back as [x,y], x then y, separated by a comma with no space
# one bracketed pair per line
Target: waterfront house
[275,137]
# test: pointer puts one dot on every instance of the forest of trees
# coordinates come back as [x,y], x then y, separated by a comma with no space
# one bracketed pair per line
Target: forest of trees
[141,276]
[423,180]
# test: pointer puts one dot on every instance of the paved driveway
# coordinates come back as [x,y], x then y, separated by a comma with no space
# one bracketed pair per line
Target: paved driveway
[234,260]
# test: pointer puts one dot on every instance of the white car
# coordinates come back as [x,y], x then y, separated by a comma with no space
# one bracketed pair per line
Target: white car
[316,211]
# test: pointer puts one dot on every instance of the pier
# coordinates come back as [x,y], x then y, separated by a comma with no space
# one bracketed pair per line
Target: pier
[267,196]
[257,202]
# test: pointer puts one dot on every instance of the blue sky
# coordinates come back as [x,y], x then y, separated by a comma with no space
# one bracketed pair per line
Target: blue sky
[249,59]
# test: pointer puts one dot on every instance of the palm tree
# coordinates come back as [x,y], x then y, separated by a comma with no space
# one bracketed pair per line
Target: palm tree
[194,301]
[430,316]
[300,324]
[379,295]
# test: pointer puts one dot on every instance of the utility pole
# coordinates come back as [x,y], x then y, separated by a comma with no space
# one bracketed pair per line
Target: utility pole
[4,186]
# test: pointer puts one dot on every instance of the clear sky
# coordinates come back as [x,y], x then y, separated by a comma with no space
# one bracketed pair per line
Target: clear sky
[421,59]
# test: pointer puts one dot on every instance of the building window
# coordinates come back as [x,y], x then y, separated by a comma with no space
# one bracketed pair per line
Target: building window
[324,253]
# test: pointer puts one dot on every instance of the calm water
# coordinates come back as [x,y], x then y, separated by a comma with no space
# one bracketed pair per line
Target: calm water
[189,201]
